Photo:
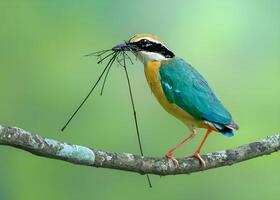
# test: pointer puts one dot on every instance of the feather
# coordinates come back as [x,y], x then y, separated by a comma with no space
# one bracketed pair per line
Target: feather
[186,87]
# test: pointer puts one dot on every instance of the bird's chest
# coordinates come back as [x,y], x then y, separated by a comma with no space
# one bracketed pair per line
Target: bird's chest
[153,79]
[152,76]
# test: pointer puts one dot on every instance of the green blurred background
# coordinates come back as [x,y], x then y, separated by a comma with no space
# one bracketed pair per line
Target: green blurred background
[44,76]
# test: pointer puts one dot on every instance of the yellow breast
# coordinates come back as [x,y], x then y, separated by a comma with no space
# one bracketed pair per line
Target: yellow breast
[152,76]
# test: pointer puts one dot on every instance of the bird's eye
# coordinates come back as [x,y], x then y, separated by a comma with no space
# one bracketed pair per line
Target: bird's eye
[144,43]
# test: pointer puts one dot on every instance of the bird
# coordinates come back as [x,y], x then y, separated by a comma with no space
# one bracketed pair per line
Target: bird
[181,90]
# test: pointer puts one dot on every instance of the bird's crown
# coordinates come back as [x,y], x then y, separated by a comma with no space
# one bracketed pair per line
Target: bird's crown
[149,37]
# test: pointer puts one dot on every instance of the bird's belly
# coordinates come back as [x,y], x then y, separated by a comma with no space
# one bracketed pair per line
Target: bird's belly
[152,76]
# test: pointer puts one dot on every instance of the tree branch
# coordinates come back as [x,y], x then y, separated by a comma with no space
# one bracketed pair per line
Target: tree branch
[35,144]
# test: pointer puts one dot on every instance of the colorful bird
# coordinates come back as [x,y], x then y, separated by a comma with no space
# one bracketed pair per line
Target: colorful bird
[181,90]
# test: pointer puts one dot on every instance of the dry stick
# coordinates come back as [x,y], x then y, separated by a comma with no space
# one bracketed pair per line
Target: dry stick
[98,53]
[76,154]
[91,90]
[107,73]
[101,59]
[135,117]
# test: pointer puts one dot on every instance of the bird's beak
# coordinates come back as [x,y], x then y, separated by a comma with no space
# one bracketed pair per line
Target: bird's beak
[127,46]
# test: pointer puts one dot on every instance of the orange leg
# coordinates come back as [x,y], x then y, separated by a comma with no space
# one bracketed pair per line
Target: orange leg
[197,153]
[169,154]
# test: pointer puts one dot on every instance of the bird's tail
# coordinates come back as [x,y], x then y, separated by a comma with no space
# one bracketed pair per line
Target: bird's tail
[226,129]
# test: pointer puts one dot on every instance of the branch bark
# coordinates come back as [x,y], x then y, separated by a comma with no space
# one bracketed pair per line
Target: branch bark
[76,154]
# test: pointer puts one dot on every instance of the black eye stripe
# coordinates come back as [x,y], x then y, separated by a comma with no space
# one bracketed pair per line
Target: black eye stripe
[150,46]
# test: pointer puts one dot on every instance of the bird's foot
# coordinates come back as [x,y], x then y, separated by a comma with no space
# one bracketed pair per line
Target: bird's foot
[169,155]
[202,162]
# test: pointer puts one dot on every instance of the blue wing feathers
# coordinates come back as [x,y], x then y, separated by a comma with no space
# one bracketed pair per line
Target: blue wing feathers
[186,88]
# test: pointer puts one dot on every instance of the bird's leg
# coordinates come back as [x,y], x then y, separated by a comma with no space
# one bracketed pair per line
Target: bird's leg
[197,153]
[169,154]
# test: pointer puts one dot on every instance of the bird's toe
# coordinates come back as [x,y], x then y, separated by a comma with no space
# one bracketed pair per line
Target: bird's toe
[201,161]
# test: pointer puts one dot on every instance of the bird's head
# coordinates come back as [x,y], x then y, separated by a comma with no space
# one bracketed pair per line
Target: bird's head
[146,47]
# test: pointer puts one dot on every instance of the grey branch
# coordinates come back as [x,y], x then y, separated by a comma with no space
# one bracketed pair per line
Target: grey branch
[35,144]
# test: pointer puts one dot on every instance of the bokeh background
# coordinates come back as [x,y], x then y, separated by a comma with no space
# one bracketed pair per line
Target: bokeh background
[44,76]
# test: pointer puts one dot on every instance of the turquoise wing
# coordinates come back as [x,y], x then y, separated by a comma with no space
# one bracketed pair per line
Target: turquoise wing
[186,88]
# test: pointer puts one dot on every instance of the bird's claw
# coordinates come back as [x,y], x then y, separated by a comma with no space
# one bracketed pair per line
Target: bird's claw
[174,160]
[202,162]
